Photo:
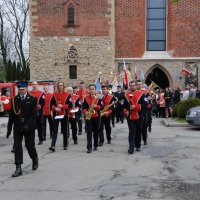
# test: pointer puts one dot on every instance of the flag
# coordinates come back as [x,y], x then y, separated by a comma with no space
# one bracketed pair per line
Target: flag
[186,72]
[125,77]
[114,84]
[98,85]
[142,78]
[135,73]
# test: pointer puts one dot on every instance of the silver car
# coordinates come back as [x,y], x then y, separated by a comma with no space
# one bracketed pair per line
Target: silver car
[193,116]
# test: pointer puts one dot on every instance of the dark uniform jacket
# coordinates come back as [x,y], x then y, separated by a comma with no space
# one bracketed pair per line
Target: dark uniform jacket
[23,113]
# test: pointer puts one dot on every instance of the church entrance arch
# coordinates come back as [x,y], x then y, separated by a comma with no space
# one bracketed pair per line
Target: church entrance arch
[158,75]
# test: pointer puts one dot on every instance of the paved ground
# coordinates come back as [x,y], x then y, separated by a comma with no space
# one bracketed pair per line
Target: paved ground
[168,168]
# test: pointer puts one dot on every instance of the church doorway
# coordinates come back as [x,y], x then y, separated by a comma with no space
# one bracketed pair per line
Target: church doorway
[158,76]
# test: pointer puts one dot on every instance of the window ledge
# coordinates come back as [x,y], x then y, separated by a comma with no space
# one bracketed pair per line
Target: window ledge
[70,26]
[156,55]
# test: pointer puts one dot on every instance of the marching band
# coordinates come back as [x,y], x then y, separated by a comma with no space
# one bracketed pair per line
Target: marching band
[71,106]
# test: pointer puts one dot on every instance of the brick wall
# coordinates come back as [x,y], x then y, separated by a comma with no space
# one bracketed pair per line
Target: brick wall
[130,28]
[91,18]
[184,28]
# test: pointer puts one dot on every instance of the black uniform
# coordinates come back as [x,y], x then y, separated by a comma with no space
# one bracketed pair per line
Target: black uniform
[23,114]
[119,106]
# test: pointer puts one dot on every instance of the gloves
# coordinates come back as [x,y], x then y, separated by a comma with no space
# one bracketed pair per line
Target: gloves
[8,133]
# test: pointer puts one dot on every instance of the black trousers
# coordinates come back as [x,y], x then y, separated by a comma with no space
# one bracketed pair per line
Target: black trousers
[119,114]
[149,120]
[105,122]
[29,142]
[49,118]
[73,123]
[138,126]
[92,128]
[39,123]
[132,132]
[113,118]
[144,128]
[64,125]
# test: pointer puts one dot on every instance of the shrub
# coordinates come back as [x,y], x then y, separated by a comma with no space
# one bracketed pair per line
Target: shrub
[175,109]
[186,105]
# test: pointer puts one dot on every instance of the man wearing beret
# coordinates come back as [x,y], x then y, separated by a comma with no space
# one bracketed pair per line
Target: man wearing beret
[23,114]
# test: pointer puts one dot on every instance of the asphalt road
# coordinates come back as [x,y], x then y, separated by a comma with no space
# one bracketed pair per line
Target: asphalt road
[168,168]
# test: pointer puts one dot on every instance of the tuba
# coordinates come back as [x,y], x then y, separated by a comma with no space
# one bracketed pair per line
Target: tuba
[91,111]
[106,108]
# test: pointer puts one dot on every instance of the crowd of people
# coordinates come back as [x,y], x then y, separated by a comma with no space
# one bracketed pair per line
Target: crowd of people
[83,109]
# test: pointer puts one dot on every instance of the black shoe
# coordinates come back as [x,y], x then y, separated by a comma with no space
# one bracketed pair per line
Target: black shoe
[149,130]
[80,133]
[138,149]
[145,143]
[76,142]
[95,149]
[100,144]
[18,171]
[65,148]
[35,164]
[52,149]
[89,151]
[40,142]
[109,141]
[113,125]
[131,151]
[13,151]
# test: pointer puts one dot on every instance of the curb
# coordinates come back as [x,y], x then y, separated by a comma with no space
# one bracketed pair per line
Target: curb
[174,125]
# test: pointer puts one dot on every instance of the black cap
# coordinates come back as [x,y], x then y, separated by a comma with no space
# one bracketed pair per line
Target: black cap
[74,87]
[119,86]
[22,84]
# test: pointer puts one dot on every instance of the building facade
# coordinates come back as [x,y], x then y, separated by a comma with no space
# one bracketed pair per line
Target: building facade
[75,40]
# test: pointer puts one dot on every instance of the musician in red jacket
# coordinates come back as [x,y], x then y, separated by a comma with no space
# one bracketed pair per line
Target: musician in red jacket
[81,92]
[59,104]
[73,113]
[91,108]
[40,103]
[106,101]
[47,111]
[132,106]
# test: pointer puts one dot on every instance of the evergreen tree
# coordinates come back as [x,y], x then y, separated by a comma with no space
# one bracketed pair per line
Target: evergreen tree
[14,71]
[9,71]
[19,75]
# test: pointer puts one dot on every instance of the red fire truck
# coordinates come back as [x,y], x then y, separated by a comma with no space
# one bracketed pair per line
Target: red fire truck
[9,90]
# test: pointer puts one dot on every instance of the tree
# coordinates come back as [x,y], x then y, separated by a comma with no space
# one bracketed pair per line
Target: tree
[19,74]
[9,70]
[14,71]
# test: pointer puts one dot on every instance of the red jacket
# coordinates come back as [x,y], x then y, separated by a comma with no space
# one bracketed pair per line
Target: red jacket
[133,99]
[38,94]
[75,104]
[47,105]
[82,94]
[60,98]
[107,100]
[87,103]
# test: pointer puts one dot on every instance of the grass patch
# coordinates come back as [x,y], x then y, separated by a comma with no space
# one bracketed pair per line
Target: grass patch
[181,120]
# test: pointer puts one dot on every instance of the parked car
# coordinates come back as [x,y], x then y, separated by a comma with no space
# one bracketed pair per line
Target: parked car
[193,116]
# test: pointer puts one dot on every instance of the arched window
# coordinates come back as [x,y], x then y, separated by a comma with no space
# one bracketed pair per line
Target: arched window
[70,15]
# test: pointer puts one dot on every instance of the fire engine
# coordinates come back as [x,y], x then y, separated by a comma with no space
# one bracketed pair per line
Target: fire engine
[9,90]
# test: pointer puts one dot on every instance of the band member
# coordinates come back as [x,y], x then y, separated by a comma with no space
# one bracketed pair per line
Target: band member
[119,105]
[91,107]
[23,114]
[47,111]
[40,103]
[132,105]
[82,92]
[60,103]
[73,113]
[141,126]
[108,102]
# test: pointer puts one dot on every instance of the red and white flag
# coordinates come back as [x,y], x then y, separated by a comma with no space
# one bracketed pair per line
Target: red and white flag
[125,78]
[135,73]
[186,72]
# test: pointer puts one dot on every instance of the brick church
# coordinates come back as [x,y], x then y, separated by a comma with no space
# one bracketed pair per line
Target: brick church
[75,40]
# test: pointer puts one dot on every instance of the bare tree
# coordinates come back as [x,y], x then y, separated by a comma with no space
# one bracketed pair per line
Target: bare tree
[17,12]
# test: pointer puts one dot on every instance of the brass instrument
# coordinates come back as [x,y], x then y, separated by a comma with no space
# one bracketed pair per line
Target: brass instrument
[91,111]
[106,108]
[73,111]
[152,86]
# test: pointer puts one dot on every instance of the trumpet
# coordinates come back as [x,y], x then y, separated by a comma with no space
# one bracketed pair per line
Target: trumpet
[152,86]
